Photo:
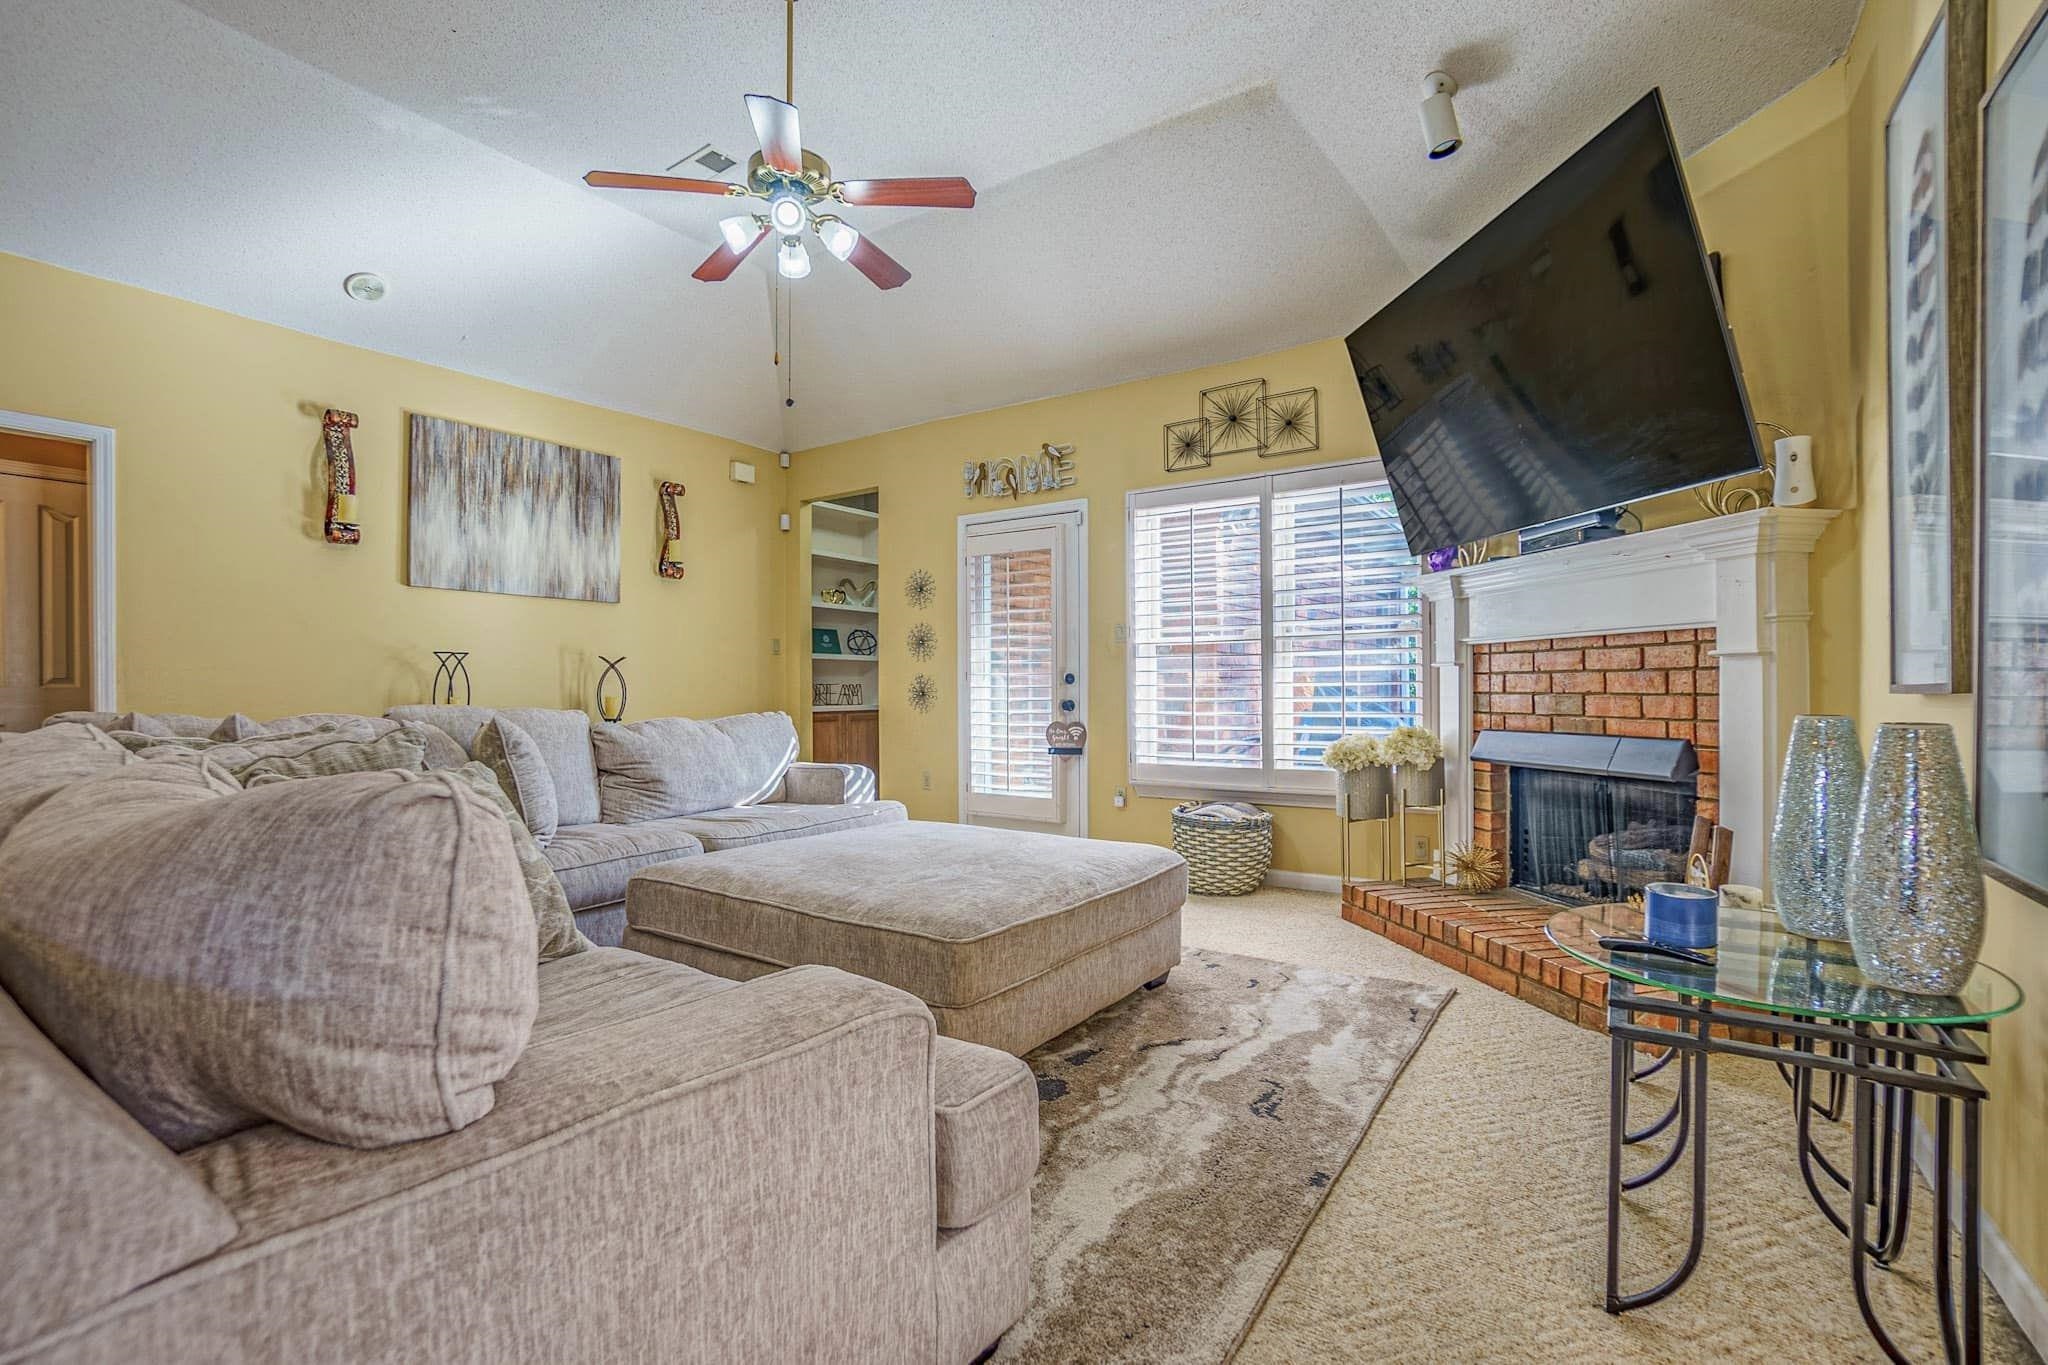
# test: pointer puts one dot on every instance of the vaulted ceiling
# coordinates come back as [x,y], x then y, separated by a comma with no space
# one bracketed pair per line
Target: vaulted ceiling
[1164,183]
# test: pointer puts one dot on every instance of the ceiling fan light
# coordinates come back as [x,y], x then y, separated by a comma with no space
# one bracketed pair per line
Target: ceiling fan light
[786,211]
[740,230]
[792,260]
[839,238]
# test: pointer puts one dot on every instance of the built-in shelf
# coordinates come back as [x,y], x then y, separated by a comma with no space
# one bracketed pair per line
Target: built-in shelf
[839,511]
[845,658]
[844,606]
[843,708]
[866,562]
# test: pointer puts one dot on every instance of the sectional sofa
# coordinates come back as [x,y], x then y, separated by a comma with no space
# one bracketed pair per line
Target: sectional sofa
[731,783]
[283,1080]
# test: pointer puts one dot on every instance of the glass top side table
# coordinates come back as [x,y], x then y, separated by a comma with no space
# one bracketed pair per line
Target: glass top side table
[1802,1004]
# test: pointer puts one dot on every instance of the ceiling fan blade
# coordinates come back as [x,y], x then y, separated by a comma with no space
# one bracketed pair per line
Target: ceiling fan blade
[940,192]
[721,263]
[782,147]
[877,264]
[627,180]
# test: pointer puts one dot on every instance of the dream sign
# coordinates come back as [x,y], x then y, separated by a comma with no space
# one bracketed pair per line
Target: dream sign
[1052,467]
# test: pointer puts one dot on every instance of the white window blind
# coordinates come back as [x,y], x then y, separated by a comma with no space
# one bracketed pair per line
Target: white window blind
[1347,620]
[1268,616]
[1010,662]
[1197,638]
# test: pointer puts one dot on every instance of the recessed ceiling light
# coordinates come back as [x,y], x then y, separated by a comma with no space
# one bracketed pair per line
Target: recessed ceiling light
[364,287]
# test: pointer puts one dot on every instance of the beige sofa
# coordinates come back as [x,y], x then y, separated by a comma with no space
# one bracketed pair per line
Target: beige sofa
[594,857]
[619,1158]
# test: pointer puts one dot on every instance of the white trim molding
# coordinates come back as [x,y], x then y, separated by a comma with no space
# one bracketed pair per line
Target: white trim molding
[99,531]
[1744,575]
[2016,1289]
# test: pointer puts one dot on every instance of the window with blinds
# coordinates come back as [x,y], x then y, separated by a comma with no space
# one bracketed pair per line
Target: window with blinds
[1010,672]
[1268,616]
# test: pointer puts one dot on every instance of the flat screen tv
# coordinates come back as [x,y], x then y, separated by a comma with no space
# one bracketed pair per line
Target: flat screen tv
[1570,357]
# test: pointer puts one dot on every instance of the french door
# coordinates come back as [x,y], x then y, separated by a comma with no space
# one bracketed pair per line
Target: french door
[1023,632]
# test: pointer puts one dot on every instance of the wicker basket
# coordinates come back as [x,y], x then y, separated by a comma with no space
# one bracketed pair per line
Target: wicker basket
[1227,854]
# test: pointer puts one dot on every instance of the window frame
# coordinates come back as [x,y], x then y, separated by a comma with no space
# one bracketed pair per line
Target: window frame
[1281,786]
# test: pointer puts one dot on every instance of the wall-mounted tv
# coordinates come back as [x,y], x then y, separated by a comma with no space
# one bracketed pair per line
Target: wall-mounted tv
[1571,356]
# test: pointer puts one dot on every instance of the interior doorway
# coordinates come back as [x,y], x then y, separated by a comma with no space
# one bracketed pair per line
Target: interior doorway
[56,569]
[1023,660]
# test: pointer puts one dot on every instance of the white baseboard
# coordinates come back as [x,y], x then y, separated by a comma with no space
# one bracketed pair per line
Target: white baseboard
[1304,881]
[2023,1298]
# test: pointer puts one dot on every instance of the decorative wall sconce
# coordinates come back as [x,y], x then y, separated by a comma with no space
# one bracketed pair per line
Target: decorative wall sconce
[340,526]
[609,707]
[451,670]
[671,562]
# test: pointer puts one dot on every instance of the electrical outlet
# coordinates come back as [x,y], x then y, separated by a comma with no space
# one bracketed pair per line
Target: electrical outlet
[927,779]
[1119,800]
[1122,634]
[775,648]
[1418,849]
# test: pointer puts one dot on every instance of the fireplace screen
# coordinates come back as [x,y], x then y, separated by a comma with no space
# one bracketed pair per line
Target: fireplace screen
[1578,838]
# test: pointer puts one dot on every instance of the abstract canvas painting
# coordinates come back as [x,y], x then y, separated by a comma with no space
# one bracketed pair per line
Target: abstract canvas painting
[493,512]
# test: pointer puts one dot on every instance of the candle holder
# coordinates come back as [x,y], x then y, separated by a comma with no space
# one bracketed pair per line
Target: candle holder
[451,669]
[611,708]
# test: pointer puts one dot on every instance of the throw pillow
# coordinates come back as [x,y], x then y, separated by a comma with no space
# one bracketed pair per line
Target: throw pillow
[41,763]
[324,754]
[559,936]
[563,738]
[511,753]
[360,969]
[237,726]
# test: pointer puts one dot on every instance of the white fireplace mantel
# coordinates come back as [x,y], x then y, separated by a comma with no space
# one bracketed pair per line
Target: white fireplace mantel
[1744,575]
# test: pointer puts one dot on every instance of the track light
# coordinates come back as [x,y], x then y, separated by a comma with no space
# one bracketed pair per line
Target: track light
[792,260]
[740,230]
[839,237]
[1439,120]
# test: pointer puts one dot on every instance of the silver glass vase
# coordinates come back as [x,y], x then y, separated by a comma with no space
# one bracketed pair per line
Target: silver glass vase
[1816,820]
[1916,885]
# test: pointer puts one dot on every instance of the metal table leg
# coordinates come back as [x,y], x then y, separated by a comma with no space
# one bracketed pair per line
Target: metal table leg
[1692,1105]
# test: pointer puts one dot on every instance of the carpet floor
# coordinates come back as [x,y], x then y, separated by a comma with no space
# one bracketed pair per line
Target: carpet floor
[1190,1134]
[1469,1225]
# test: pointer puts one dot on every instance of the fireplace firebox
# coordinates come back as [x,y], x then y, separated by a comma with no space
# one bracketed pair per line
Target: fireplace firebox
[1593,818]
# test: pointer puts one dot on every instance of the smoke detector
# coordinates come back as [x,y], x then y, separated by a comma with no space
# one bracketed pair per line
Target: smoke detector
[364,287]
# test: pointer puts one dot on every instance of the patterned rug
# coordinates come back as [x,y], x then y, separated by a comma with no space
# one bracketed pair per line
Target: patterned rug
[1190,1134]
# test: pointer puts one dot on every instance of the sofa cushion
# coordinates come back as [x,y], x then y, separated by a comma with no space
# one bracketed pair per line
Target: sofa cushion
[986,1125]
[672,765]
[551,916]
[41,763]
[323,754]
[594,862]
[512,755]
[95,1206]
[563,738]
[148,722]
[353,957]
[457,724]
[742,826]
[827,784]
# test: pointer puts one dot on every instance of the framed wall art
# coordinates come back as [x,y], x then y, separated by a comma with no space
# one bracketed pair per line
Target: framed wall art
[1931,146]
[2012,475]
[494,512]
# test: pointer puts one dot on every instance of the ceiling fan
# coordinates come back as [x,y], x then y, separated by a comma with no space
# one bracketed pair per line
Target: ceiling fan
[796,185]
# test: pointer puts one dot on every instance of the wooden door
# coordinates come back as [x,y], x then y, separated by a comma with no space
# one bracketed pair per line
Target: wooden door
[45,634]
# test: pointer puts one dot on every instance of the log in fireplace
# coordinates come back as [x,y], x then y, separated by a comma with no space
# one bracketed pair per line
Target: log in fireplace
[1592,817]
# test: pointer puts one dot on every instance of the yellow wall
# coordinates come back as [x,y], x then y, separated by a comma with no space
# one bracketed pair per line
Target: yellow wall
[228,597]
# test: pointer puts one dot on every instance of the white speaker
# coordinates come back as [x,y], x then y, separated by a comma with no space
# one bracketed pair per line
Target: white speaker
[1794,487]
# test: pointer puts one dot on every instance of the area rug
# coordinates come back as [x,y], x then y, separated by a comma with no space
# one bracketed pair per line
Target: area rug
[1190,1135]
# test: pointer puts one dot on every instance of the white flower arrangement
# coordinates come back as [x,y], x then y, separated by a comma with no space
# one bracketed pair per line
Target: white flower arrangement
[1353,752]
[1411,746]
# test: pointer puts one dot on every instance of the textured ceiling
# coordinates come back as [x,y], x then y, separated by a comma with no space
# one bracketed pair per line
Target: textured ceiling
[1164,183]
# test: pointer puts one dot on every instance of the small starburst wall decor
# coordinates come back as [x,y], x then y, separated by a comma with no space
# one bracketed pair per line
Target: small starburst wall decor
[919,589]
[924,693]
[921,640]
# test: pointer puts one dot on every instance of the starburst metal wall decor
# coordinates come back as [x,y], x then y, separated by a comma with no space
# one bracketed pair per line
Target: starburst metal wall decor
[1187,445]
[924,693]
[921,640]
[1243,419]
[1236,417]
[1292,423]
[919,588]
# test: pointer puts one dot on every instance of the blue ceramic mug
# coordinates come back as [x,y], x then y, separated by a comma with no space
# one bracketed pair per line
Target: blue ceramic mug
[1681,916]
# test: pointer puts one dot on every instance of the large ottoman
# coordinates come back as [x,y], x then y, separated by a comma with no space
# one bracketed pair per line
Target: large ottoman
[1011,938]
